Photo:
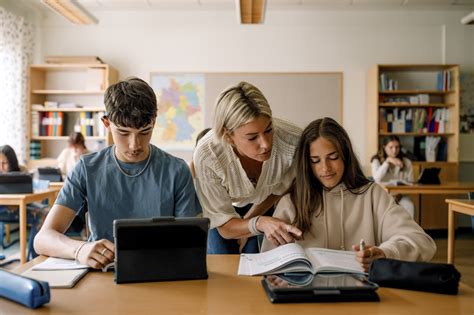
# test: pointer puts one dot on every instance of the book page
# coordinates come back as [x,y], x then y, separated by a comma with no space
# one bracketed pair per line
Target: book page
[329,260]
[52,263]
[285,258]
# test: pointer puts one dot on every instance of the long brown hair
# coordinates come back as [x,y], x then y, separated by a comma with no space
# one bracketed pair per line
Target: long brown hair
[306,191]
[381,155]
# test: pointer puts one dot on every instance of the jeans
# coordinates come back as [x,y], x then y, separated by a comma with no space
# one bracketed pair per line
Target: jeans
[216,244]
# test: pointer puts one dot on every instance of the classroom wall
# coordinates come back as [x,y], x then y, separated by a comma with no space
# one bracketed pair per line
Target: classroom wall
[140,42]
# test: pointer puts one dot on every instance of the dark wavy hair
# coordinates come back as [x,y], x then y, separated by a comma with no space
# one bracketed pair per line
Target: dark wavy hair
[306,191]
[131,103]
[11,158]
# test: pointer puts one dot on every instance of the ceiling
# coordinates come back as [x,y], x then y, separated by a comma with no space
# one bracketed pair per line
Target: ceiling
[105,5]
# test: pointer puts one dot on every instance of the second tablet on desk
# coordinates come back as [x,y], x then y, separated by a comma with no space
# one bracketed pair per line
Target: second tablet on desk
[331,287]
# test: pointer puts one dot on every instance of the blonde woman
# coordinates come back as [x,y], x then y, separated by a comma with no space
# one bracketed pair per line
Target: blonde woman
[243,165]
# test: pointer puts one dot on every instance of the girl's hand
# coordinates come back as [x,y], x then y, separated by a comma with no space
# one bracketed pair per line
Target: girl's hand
[395,161]
[366,256]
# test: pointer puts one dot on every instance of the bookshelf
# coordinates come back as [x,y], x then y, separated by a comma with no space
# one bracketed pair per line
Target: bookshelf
[414,102]
[64,98]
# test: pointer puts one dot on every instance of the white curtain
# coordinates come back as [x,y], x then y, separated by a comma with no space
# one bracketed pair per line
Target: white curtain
[16,53]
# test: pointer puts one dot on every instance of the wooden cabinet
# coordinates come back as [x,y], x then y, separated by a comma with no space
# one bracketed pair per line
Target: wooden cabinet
[64,98]
[415,102]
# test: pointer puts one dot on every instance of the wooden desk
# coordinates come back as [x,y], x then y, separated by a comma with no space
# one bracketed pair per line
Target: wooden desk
[21,200]
[461,206]
[442,189]
[438,218]
[56,186]
[224,293]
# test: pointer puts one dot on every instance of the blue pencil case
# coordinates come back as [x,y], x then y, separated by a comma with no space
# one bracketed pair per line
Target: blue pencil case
[29,292]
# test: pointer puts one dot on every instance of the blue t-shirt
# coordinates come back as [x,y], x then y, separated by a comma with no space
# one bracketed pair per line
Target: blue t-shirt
[165,188]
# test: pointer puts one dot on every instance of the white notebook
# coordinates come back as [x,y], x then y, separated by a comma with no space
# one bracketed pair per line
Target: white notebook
[57,278]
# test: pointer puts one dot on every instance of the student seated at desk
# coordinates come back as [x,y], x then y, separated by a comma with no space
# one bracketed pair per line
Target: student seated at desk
[130,179]
[10,214]
[391,164]
[336,206]
[68,157]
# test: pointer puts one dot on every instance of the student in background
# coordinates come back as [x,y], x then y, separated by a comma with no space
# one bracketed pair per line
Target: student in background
[390,164]
[130,179]
[336,206]
[68,158]
[244,161]
[10,214]
[9,160]
[199,136]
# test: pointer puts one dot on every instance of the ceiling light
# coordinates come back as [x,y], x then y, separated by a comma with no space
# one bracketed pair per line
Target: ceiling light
[250,11]
[71,10]
[468,19]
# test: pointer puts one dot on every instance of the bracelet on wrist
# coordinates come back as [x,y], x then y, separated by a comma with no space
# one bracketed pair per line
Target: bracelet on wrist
[76,253]
[252,226]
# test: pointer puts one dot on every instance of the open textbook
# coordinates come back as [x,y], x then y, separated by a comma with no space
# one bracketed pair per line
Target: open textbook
[294,258]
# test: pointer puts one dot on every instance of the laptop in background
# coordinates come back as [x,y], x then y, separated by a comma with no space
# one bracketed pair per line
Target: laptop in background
[160,249]
[52,174]
[15,183]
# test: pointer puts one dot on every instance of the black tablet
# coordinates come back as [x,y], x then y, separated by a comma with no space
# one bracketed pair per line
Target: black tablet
[160,249]
[305,287]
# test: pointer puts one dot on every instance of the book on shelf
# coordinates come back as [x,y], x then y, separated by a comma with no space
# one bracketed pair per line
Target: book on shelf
[35,124]
[387,84]
[293,257]
[423,99]
[50,123]
[35,150]
[417,120]
[69,105]
[419,148]
[37,106]
[442,152]
[73,59]
[443,82]
[50,104]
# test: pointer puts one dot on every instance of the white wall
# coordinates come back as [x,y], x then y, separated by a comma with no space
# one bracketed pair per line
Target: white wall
[140,42]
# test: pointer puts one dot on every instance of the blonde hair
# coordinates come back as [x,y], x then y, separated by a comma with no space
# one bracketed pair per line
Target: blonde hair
[236,106]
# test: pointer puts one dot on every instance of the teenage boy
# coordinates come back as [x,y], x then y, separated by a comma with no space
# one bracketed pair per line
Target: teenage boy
[130,179]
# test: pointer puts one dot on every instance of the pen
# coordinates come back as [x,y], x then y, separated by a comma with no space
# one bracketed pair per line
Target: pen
[362,245]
